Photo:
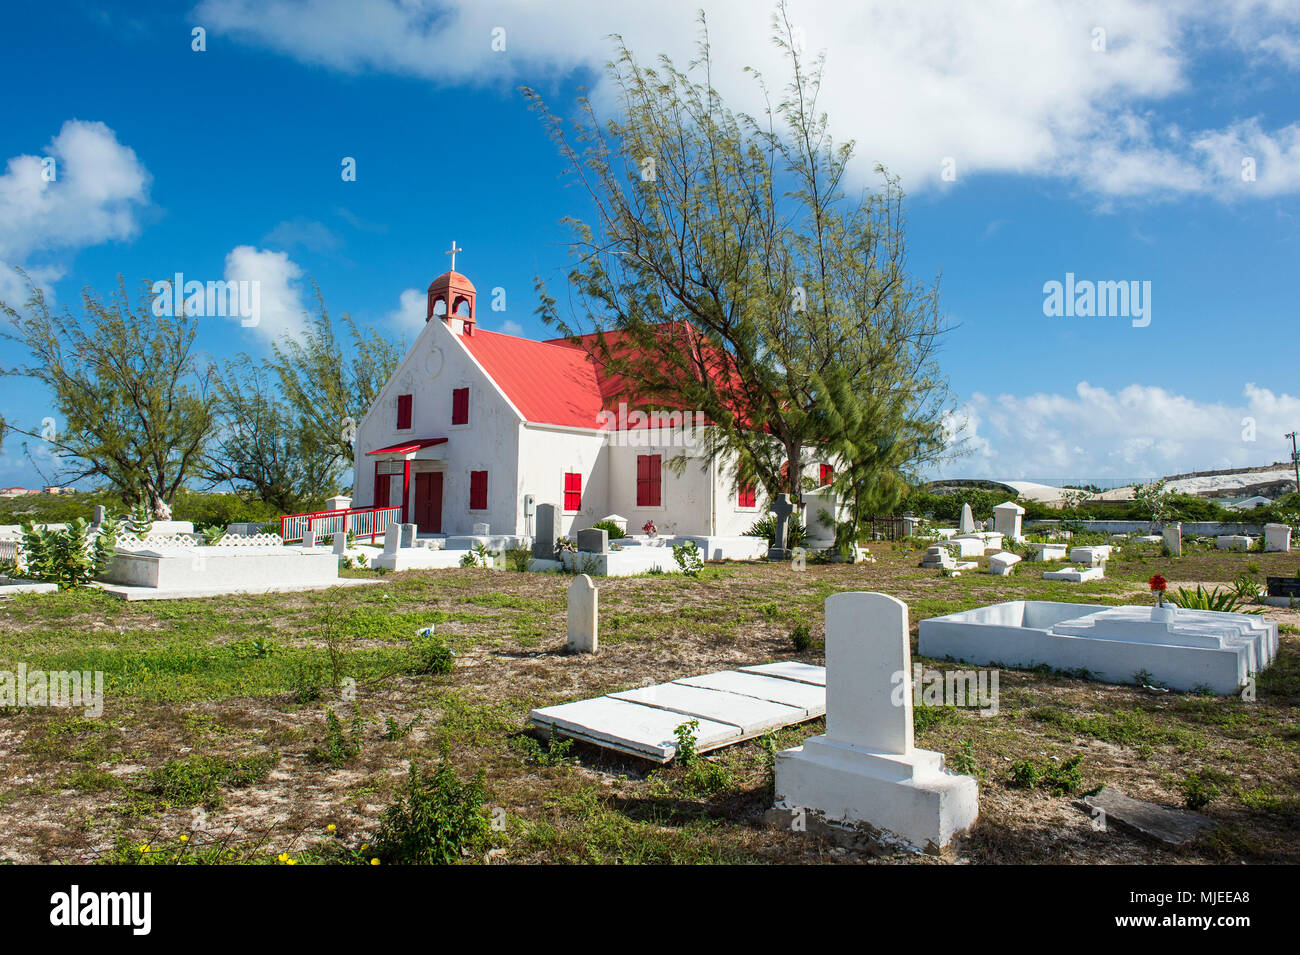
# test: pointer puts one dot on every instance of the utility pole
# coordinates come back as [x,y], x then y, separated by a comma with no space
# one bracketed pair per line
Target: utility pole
[1295,460]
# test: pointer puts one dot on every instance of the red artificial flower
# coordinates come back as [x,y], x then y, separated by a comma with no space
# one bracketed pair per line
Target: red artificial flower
[1158,583]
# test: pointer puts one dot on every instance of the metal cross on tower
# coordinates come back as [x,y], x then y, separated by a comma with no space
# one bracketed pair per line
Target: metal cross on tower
[452,252]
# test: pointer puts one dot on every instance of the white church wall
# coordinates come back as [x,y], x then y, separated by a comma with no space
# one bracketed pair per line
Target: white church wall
[436,365]
[546,454]
[686,500]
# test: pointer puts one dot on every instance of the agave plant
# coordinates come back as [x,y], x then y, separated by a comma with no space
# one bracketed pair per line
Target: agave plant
[1224,601]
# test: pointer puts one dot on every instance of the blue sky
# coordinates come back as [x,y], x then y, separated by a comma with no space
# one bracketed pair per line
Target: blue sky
[1113,156]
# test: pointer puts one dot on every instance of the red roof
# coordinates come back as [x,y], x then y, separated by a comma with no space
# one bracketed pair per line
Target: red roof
[559,381]
[547,382]
[409,446]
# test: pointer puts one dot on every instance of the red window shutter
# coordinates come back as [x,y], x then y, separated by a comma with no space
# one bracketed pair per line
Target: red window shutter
[827,474]
[648,480]
[572,492]
[748,496]
[403,412]
[460,406]
[478,490]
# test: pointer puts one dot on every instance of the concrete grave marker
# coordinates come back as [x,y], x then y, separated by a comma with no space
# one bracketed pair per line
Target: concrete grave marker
[584,619]
[866,768]
[544,539]
[1277,537]
[1007,519]
[1003,564]
[782,508]
[1172,536]
[482,530]
[97,514]
[309,537]
[340,543]
[392,537]
[408,535]
[967,523]
[593,540]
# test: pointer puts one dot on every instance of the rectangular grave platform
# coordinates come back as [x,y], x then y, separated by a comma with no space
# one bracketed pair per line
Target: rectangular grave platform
[1197,648]
[731,706]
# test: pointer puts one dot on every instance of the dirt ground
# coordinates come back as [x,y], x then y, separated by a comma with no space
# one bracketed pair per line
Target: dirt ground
[209,746]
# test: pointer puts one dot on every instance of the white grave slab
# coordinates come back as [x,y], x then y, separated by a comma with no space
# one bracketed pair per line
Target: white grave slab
[1051,551]
[1232,542]
[641,722]
[866,768]
[1003,564]
[1198,648]
[811,699]
[790,670]
[1091,556]
[1074,576]
[752,715]
[632,728]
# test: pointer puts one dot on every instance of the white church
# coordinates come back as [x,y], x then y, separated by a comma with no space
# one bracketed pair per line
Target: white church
[476,427]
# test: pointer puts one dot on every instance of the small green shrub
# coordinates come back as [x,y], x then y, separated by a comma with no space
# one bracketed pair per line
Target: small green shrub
[688,558]
[615,532]
[432,657]
[801,638]
[434,820]
[1198,791]
[1058,779]
[519,558]
[685,734]
[197,779]
[339,746]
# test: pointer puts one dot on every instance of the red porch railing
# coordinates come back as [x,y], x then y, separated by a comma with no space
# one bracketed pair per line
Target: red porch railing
[361,521]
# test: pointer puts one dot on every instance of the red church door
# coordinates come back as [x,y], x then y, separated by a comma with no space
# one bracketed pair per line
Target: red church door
[381,489]
[428,501]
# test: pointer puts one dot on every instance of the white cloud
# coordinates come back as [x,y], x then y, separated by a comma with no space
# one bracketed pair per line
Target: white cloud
[408,317]
[1138,431]
[279,295]
[511,327]
[93,192]
[95,195]
[999,86]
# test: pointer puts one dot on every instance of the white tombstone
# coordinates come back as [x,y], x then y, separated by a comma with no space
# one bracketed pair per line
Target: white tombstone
[1232,542]
[584,623]
[341,543]
[1003,564]
[865,769]
[967,523]
[1050,551]
[1172,536]
[340,502]
[969,546]
[309,537]
[482,530]
[1277,537]
[1091,556]
[392,537]
[1007,518]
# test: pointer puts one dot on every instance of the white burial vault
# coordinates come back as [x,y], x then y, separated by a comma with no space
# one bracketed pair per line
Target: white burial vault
[1198,648]
[865,769]
[730,706]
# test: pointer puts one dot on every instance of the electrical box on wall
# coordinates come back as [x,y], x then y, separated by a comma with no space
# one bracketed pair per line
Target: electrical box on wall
[530,505]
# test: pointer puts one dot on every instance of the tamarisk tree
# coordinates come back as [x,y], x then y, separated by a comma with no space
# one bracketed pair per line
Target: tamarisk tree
[730,268]
[128,386]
